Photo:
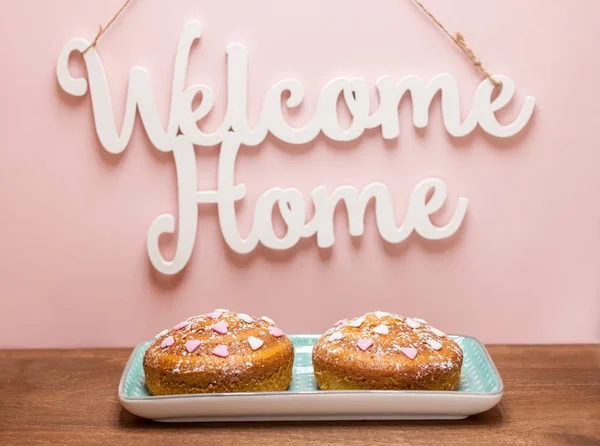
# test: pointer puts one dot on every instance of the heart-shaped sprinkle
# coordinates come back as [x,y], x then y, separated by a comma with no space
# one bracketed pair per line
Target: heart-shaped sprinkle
[276,332]
[220,327]
[440,333]
[381,314]
[381,329]
[190,346]
[340,322]
[167,342]
[181,325]
[335,336]
[221,351]
[268,320]
[434,344]
[409,351]
[412,323]
[161,334]
[364,344]
[255,343]
[357,322]
[221,310]
[214,315]
[420,321]
[245,317]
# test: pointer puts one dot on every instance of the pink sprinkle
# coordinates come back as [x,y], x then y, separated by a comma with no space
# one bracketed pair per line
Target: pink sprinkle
[409,351]
[276,332]
[214,315]
[190,346]
[221,351]
[340,322]
[167,342]
[181,325]
[220,327]
[364,344]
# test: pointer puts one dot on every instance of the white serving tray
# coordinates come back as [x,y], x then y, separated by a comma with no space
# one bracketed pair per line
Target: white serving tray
[480,389]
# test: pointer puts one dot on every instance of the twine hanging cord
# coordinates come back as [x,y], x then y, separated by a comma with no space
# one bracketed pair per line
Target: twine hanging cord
[102,30]
[458,39]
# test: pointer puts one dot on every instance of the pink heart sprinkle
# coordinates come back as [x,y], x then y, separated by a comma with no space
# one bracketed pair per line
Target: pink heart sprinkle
[167,342]
[364,344]
[214,315]
[221,351]
[340,322]
[181,325]
[190,346]
[276,332]
[409,351]
[220,327]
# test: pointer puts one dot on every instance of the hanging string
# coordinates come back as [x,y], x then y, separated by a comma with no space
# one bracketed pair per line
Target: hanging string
[102,30]
[459,41]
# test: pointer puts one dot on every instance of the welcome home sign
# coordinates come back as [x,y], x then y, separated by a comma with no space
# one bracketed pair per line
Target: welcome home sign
[182,134]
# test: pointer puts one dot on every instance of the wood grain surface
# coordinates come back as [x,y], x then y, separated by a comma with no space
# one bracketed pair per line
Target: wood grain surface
[552,396]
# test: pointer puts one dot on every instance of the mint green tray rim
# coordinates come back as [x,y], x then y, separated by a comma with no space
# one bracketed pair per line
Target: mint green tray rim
[479,374]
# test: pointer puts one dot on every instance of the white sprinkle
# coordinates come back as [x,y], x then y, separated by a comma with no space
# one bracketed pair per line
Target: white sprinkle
[380,314]
[268,320]
[245,317]
[412,323]
[255,343]
[381,329]
[221,310]
[434,344]
[335,336]
[420,321]
[162,333]
[440,333]
[356,322]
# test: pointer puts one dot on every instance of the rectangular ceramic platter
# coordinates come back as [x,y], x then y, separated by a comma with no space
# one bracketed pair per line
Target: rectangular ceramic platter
[480,389]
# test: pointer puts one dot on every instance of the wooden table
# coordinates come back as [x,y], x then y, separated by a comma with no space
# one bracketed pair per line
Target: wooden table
[552,396]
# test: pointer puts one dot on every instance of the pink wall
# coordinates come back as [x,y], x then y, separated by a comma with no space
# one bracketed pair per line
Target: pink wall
[523,268]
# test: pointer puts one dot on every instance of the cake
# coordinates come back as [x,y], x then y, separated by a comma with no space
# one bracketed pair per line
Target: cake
[383,351]
[218,352]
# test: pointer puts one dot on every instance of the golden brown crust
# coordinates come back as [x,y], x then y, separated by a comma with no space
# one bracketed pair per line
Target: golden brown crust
[340,364]
[174,370]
